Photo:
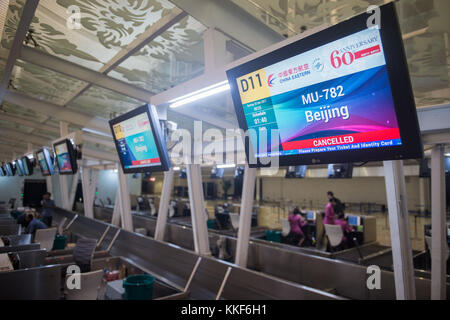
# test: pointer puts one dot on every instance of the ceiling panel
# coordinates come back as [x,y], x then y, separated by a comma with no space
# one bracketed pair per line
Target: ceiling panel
[43,84]
[98,33]
[172,58]
[427,52]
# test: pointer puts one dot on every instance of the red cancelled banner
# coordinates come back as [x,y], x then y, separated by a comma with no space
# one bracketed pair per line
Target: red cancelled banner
[367,52]
[146,161]
[344,139]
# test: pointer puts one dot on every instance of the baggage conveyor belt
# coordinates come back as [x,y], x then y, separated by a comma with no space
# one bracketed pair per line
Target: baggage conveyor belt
[273,262]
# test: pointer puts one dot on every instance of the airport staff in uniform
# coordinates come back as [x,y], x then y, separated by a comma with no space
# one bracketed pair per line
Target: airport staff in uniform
[330,214]
[34,224]
[49,206]
[296,222]
[346,228]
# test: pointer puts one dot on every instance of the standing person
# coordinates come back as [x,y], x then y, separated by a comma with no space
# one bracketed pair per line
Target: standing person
[49,206]
[297,224]
[330,213]
[339,207]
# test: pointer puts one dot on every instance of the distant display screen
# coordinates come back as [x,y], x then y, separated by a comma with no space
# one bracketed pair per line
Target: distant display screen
[9,169]
[311,215]
[333,99]
[26,168]
[45,162]
[138,138]
[300,171]
[63,158]
[340,171]
[19,165]
[354,220]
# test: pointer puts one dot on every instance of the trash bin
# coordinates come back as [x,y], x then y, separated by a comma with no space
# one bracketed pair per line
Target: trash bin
[59,243]
[273,235]
[210,223]
[15,214]
[138,287]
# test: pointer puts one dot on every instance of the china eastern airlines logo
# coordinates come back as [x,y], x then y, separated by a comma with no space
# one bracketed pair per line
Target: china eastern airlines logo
[270,80]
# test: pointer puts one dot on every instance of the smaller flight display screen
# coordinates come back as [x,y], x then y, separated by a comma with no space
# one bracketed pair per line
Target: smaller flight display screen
[63,158]
[136,143]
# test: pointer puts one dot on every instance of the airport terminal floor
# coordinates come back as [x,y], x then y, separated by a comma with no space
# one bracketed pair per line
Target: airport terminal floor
[224,150]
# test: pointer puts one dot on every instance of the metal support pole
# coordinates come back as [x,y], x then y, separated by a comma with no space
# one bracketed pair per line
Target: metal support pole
[198,213]
[438,224]
[399,227]
[85,186]
[73,189]
[48,181]
[125,206]
[164,205]
[116,212]
[245,219]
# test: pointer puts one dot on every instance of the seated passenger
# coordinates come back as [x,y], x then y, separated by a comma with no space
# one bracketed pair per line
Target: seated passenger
[34,224]
[346,228]
[22,220]
[297,223]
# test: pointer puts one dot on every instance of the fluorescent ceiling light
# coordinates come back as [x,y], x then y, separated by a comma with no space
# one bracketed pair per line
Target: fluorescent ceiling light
[96,132]
[447,154]
[223,166]
[200,94]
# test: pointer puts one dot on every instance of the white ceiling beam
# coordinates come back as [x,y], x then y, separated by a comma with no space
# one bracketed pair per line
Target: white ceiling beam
[48,61]
[18,135]
[434,118]
[98,140]
[232,20]
[57,112]
[28,123]
[25,20]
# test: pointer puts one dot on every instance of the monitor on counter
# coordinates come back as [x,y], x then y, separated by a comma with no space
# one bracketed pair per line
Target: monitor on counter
[45,161]
[66,157]
[217,173]
[354,221]
[138,139]
[340,95]
[311,216]
[27,166]
[19,166]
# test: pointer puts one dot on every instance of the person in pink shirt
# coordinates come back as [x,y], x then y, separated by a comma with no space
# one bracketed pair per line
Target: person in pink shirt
[329,212]
[346,228]
[297,223]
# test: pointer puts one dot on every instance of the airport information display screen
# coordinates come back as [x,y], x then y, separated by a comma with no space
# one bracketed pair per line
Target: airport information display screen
[334,98]
[45,162]
[27,169]
[63,158]
[138,141]
[20,169]
[9,169]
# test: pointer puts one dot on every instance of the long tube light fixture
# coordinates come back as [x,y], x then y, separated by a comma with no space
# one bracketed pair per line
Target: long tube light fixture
[224,166]
[200,94]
